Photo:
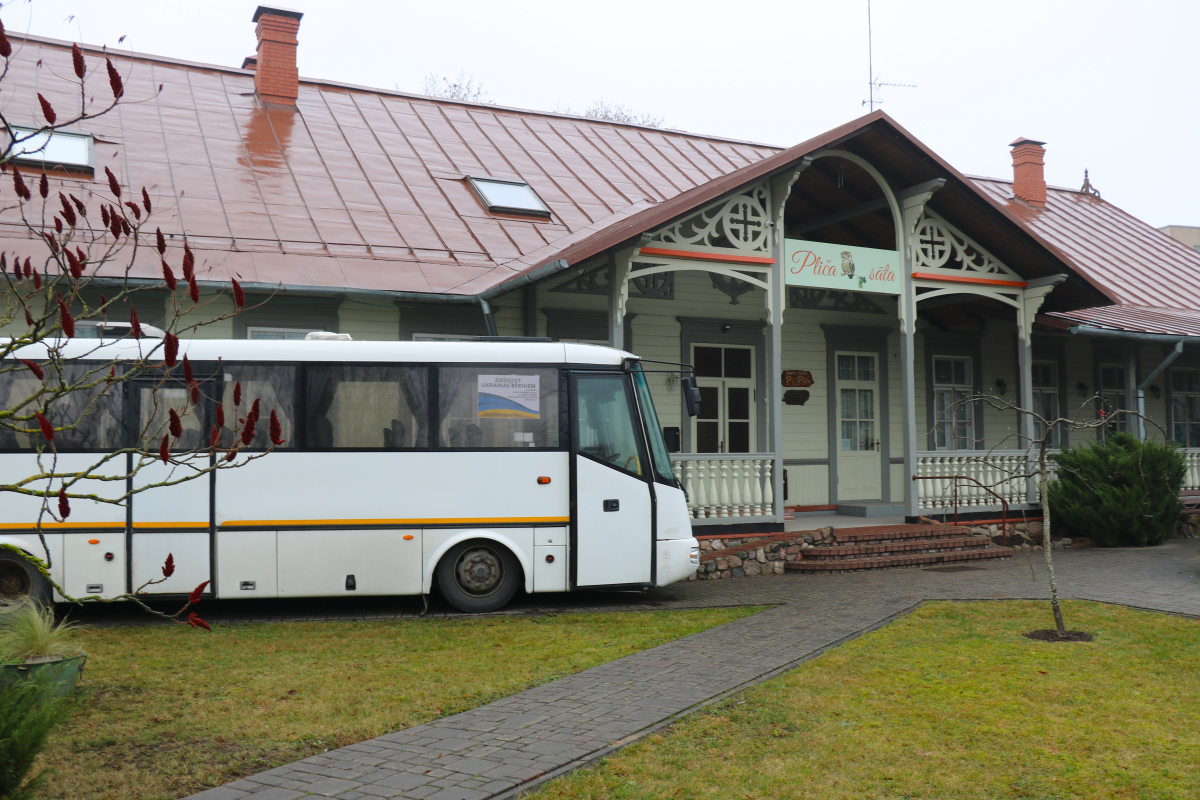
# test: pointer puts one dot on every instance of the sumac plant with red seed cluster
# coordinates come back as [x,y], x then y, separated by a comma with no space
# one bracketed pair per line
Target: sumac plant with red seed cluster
[79,242]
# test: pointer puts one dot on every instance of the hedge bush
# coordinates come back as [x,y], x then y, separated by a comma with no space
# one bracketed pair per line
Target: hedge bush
[1119,492]
[28,713]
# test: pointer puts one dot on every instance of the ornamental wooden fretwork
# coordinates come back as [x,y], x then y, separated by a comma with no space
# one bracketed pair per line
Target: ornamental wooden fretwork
[659,286]
[828,299]
[740,223]
[938,245]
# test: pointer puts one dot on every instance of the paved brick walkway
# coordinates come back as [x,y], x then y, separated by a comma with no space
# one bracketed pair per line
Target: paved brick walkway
[500,749]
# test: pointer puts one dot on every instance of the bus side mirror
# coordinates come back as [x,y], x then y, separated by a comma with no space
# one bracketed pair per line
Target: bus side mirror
[691,394]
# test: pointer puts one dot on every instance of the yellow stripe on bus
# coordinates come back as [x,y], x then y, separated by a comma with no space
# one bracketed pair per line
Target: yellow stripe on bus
[291,523]
[61,525]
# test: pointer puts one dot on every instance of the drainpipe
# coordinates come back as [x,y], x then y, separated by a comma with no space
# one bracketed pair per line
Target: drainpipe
[1131,337]
[482,298]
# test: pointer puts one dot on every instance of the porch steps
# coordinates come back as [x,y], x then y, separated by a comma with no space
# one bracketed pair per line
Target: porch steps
[893,562]
[884,549]
[895,546]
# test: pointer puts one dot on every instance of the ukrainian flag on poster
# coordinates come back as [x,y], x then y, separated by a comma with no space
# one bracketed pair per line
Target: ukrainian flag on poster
[509,396]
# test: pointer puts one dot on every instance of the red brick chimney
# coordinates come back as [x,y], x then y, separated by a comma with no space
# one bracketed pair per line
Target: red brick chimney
[275,76]
[1029,179]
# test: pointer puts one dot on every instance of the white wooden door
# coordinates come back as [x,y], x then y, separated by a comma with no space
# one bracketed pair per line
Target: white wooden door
[858,461]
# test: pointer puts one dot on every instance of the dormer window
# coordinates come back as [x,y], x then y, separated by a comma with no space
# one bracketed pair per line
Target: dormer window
[52,149]
[508,197]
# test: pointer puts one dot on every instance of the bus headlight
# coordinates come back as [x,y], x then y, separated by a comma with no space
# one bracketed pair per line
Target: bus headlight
[694,556]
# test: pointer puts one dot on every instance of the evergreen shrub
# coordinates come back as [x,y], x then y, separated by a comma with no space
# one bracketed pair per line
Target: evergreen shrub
[1119,492]
[28,713]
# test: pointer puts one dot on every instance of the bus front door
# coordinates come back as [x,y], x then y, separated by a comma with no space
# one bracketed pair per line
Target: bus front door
[613,502]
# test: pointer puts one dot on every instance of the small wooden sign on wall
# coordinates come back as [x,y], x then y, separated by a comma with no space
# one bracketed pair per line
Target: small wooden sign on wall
[796,377]
[795,397]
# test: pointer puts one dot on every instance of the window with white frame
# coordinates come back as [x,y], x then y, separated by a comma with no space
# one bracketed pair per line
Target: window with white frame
[1185,407]
[1045,399]
[1112,397]
[291,334]
[52,148]
[953,417]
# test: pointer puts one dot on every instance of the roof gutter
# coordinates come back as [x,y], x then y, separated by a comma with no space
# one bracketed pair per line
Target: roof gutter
[1129,336]
[482,299]
[1134,336]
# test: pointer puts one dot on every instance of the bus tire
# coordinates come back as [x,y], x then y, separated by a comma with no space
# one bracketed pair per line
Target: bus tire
[478,576]
[20,580]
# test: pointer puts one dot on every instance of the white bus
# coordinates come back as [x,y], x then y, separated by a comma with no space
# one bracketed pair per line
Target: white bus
[478,467]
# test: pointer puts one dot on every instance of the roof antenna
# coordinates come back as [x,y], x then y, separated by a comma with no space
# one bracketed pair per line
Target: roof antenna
[873,82]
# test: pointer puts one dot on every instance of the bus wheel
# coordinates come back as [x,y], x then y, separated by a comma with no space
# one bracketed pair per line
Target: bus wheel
[20,581]
[478,576]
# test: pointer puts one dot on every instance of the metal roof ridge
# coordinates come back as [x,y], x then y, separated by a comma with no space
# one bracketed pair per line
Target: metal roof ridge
[106,51]
[1009,182]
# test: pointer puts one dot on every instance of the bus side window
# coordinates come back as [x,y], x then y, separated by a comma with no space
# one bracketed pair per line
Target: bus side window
[87,419]
[274,388]
[606,426]
[498,407]
[367,406]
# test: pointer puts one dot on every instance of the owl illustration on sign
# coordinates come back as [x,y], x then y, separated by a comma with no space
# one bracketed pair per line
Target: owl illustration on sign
[847,264]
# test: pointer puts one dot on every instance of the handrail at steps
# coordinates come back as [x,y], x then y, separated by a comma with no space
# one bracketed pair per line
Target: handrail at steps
[956,479]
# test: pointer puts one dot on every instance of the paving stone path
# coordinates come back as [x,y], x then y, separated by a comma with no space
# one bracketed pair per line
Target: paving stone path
[502,749]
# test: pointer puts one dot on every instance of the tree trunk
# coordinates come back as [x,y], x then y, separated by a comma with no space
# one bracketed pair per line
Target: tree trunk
[1043,485]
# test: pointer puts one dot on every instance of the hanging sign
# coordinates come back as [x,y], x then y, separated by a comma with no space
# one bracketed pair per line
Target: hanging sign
[837,266]
[796,377]
[509,396]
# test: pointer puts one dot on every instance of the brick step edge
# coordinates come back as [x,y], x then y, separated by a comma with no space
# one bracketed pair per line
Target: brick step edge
[856,564]
[894,532]
[841,551]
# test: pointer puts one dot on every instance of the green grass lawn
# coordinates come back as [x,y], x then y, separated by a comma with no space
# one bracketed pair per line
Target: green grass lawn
[948,702]
[167,710]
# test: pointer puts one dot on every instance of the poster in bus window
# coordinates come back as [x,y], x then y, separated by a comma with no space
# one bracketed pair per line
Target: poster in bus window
[509,396]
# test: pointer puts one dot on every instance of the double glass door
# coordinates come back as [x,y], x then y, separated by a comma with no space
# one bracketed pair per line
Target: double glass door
[725,376]
[859,461]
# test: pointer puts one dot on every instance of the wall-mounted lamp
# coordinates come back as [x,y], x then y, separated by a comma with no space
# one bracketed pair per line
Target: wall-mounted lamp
[1001,386]
[1082,387]
[673,380]
[1154,390]
[726,328]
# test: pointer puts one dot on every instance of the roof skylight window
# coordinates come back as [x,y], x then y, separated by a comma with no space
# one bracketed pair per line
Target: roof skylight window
[509,197]
[53,149]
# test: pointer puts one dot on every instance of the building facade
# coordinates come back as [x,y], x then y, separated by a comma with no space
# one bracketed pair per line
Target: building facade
[840,300]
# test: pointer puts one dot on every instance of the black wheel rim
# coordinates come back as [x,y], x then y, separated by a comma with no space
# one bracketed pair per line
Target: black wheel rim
[479,571]
[15,583]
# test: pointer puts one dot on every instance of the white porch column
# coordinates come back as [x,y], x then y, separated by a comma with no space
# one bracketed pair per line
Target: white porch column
[912,204]
[1031,300]
[781,188]
[619,265]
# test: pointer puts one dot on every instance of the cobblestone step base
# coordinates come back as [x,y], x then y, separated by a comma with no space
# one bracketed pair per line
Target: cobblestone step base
[881,549]
[894,561]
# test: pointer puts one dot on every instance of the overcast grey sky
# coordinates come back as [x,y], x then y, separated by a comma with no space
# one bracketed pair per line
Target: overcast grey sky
[1110,86]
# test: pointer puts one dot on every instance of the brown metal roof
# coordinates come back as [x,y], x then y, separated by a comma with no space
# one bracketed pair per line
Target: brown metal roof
[1139,319]
[1137,264]
[359,188]
[366,189]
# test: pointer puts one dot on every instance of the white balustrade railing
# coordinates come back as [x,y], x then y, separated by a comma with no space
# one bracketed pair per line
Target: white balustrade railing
[723,486]
[1002,471]
[1191,477]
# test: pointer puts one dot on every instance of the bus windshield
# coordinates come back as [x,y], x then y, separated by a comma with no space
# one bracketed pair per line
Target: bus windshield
[658,445]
